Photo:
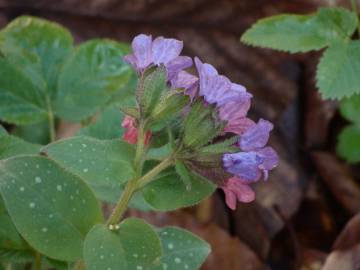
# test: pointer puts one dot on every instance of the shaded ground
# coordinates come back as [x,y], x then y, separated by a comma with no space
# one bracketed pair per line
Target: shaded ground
[300,212]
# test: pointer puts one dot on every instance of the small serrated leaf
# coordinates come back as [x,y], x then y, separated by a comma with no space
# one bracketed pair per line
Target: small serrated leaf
[338,71]
[302,33]
[350,108]
[348,146]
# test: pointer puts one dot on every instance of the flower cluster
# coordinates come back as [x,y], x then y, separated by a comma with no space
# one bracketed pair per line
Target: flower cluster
[231,101]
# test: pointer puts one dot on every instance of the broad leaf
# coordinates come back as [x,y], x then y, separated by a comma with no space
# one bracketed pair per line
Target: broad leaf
[21,102]
[12,146]
[338,71]
[89,77]
[182,249]
[107,125]
[348,146]
[350,108]
[135,246]
[51,208]
[49,42]
[37,133]
[104,165]
[168,191]
[302,33]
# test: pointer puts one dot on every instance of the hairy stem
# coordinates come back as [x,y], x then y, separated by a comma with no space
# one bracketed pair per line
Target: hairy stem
[37,263]
[51,120]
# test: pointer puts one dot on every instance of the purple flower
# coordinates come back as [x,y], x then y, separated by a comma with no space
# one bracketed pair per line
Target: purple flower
[255,160]
[215,88]
[187,81]
[161,51]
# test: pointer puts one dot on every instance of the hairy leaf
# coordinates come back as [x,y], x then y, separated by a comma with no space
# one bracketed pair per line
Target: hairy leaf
[350,108]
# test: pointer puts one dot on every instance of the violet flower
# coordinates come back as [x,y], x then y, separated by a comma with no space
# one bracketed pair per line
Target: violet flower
[161,51]
[255,160]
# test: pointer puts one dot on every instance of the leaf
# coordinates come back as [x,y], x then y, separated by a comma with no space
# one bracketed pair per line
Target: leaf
[337,72]
[2,131]
[350,108]
[104,165]
[50,207]
[12,146]
[302,33]
[168,191]
[89,77]
[21,102]
[16,256]
[48,41]
[184,174]
[107,125]
[37,133]
[182,249]
[348,146]
[135,246]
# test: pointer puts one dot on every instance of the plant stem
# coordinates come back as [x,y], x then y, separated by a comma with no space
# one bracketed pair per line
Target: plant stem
[79,265]
[51,120]
[140,148]
[37,263]
[134,185]
[147,178]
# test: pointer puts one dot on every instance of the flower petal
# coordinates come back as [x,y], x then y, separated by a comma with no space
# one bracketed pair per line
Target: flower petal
[142,50]
[243,164]
[131,59]
[239,125]
[178,64]
[256,136]
[230,198]
[271,159]
[165,49]
[187,81]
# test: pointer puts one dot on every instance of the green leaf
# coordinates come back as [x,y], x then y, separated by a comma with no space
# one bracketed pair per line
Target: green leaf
[16,256]
[49,42]
[302,33]
[12,146]
[184,174]
[168,191]
[150,89]
[107,125]
[2,131]
[9,237]
[350,108]
[50,207]
[182,249]
[104,165]
[338,71]
[89,77]
[21,102]
[37,133]
[348,146]
[135,246]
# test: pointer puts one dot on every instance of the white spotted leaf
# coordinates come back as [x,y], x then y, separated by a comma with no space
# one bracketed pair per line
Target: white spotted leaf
[134,246]
[182,249]
[104,164]
[51,208]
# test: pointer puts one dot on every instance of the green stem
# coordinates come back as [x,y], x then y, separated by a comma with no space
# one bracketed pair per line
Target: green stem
[132,186]
[51,120]
[37,263]
[148,177]
[139,155]
[79,265]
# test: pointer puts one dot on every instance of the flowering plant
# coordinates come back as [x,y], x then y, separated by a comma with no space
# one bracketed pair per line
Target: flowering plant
[182,137]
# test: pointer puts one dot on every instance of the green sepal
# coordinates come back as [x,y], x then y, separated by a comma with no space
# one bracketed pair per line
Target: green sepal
[150,88]
[184,174]
[201,125]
